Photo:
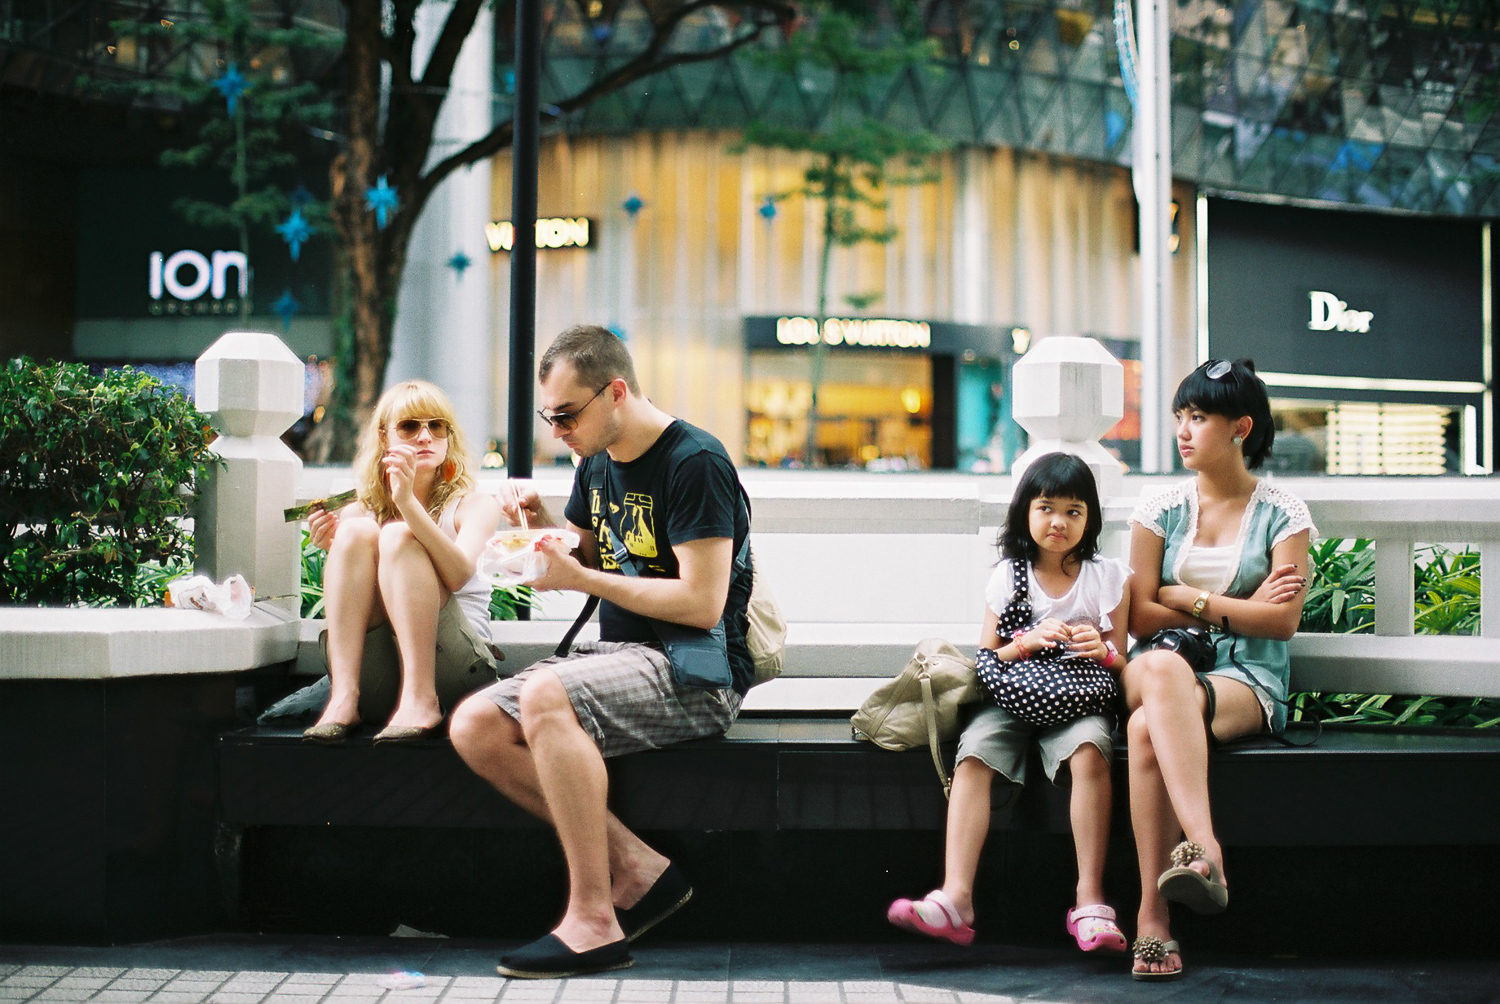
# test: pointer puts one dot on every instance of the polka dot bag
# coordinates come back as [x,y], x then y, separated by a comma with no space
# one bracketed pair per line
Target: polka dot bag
[1051,687]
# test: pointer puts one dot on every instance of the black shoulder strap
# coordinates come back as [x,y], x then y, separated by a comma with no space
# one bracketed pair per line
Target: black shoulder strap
[623,558]
[565,646]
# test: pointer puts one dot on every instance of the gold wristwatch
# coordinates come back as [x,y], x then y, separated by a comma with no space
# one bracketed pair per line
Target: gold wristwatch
[1199,604]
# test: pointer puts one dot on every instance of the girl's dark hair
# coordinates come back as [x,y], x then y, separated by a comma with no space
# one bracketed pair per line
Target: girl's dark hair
[1232,390]
[1056,475]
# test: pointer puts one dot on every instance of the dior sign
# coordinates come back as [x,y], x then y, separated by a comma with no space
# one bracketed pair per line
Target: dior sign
[1329,313]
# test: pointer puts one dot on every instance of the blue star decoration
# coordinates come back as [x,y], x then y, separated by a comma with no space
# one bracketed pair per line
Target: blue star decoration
[460,262]
[382,200]
[295,231]
[232,84]
[286,307]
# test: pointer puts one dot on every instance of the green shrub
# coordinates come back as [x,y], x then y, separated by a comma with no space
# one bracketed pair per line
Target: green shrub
[1341,600]
[96,476]
[505,601]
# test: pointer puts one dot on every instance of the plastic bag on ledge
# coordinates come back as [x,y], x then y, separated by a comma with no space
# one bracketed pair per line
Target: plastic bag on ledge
[233,597]
[513,557]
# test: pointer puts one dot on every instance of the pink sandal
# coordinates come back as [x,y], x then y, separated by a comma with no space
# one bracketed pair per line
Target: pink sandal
[1094,927]
[935,916]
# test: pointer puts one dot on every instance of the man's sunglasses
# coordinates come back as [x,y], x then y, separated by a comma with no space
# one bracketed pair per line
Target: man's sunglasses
[567,421]
[408,428]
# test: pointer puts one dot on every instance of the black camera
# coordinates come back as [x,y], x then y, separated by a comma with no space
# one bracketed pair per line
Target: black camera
[1195,645]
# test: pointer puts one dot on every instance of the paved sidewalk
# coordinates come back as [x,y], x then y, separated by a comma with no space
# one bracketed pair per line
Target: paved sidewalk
[250,969]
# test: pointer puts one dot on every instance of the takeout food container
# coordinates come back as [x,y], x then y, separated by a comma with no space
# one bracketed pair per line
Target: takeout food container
[512,558]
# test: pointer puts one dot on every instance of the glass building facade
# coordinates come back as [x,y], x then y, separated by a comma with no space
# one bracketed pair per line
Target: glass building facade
[1386,104]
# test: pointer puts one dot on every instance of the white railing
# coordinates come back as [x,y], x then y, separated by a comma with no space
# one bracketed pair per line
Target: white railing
[867,565]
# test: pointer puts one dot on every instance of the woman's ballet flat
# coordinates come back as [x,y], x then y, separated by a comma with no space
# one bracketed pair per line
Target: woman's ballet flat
[405,733]
[1149,949]
[329,733]
[1181,884]
[934,916]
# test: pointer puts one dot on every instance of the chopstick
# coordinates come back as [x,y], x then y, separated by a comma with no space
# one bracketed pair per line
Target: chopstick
[520,508]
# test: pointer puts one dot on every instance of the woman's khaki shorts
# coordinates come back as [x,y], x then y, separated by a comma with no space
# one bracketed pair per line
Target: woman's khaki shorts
[464,663]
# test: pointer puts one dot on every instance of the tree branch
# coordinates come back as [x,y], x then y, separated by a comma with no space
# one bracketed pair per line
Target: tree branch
[439,71]
[646,64]
[398,47]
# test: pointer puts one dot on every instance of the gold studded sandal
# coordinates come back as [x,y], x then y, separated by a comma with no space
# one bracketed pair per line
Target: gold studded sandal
[1148,949]
[1188,886]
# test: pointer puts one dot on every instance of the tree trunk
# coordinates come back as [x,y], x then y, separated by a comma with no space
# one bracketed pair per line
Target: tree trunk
[819,347]
[358,381]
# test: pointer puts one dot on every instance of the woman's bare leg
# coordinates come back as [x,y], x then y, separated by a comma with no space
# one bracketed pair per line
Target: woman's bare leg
[351,606]
[413,597]
[1156,830]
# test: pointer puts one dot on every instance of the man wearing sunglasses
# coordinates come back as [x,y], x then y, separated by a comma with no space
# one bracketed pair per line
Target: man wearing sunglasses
[658,507]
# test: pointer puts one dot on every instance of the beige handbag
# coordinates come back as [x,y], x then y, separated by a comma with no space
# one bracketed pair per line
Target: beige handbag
[765,633]
[920,705]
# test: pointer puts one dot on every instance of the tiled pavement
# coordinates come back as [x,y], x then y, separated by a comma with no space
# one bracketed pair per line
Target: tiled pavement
[249,969]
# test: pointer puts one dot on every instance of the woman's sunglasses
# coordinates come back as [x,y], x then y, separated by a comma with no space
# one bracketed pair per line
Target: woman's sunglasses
[408,428]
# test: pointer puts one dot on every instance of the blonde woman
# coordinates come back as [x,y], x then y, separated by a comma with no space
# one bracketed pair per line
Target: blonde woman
[408,617]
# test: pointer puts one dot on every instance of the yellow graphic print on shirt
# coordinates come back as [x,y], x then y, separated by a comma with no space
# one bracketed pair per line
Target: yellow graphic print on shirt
[637,526]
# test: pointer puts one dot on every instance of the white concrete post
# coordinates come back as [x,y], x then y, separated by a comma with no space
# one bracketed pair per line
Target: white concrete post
[1068,391]
[250,385]
[444,330]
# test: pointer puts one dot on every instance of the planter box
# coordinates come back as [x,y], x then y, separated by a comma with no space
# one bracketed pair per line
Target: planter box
[107,725]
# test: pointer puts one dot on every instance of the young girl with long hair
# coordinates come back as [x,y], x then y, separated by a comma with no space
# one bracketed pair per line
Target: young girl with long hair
[1078,610]
[408,615]
[1227,551]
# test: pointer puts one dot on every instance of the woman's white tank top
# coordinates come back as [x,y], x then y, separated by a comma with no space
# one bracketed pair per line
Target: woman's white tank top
[473,597]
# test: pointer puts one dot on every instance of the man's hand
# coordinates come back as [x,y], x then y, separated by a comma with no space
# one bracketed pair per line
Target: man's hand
[563,571]
[518,497]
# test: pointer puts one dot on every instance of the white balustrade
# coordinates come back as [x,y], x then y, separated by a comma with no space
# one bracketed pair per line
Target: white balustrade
[250,386]
[1067,391]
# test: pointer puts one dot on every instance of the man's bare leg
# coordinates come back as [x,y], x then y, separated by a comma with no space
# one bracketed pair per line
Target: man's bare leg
[494,746]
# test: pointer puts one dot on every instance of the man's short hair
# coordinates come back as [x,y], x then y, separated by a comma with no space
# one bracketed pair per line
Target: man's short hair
[597,354]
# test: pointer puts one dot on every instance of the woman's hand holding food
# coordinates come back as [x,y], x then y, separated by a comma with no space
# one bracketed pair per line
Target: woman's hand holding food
[400,463]
[321,526]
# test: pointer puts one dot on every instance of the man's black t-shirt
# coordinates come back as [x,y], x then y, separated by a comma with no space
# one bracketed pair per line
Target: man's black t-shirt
[683,488]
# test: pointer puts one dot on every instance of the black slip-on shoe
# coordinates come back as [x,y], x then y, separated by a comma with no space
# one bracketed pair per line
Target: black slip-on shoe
[547,958]
[668,894]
